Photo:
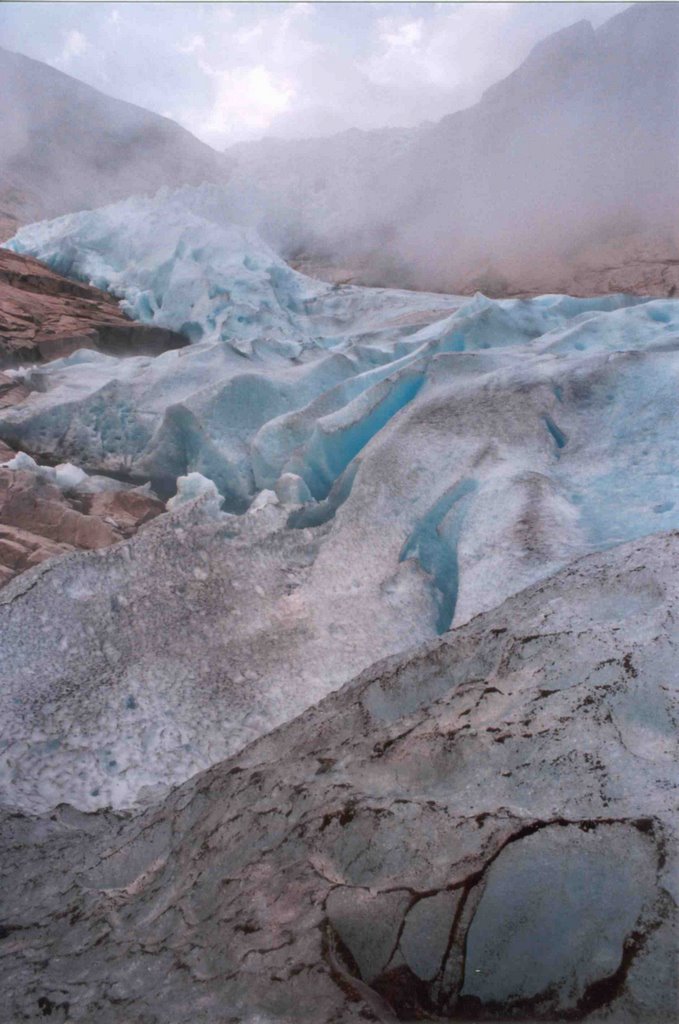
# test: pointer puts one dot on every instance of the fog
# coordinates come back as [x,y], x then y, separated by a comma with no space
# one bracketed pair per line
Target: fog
[572,157]
[231,72]
[67,147]
[567,165]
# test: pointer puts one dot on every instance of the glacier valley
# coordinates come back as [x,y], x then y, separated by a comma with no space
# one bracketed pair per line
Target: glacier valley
[339,621]
[359,470]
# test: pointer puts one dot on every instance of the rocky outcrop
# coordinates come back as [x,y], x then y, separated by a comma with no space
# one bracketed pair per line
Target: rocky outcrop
[17,206]
[13,390]
[39,520]
[9,223]
[484,828]
[22,549]
[636,265]
[45,316]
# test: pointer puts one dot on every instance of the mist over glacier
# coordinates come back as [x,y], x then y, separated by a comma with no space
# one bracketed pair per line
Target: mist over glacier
[534,188]
[563,177]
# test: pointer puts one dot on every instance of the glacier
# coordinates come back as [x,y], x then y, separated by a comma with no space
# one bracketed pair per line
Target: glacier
[270,343]
[357,470]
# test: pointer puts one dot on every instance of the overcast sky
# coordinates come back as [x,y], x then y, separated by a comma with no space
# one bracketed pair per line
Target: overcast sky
[235,71]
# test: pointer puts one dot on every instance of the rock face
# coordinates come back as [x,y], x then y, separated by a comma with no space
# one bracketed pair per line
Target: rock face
[38,520]
[67,146]
[536,188]
[642,264]
[484,828]
[12,391]
[45,316]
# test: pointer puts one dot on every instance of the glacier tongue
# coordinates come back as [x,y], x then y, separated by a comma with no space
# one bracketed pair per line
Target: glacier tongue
[390,463]
[268,344]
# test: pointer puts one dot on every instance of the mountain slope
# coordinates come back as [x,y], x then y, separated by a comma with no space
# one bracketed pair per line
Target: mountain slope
[564,177]
[66,146]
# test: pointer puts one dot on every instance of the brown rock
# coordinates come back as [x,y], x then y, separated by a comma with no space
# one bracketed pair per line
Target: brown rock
[31,503]
[21,550]
[9,225]
[38,521]
[46,316]
[6,453]
[127,509]
[11,391]
[639,264]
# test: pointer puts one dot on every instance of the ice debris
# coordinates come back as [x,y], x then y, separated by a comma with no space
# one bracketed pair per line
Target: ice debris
[22,461]
[193,487]
[263,499]
[292,490]
[66,476]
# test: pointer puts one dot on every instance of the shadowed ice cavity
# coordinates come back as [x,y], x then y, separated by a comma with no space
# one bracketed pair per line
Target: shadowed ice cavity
[337,439]
[434,542]
[320,512]
[557,434]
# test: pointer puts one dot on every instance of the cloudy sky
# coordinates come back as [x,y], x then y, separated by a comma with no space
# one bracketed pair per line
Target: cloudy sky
[235,71]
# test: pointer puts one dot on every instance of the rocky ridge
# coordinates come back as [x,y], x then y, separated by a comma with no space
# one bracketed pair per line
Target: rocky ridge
[45,316]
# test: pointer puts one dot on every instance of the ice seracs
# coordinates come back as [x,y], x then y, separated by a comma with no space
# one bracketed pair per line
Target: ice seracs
[268,343]
[292,490]
[174,262]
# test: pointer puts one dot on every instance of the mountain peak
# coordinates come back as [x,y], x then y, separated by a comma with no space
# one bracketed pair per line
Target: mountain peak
[547,63]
